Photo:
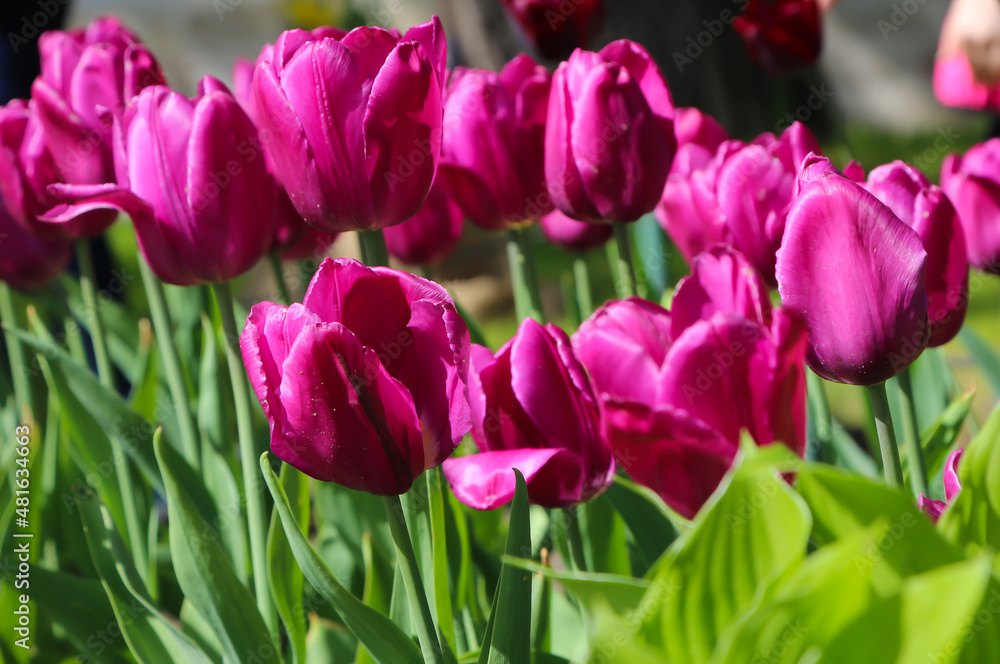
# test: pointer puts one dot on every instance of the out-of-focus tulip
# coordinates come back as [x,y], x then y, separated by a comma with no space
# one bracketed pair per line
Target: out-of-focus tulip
[493,139]
[781,35]
[855,272]
[431,234]
[556,27]
[200,197]
[28,262]
[352,122]
[579,236]
[533,409]
[27,170]
[87,77]
[935,508]
[698,130]
[925,208]
[609,137]
[367,402]
[955,85]
[660,377]
[972,182]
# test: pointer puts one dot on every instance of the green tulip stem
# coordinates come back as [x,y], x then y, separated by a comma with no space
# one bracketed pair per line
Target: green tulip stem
[819,413]
[279,277]
[15,354]
[581,280]
[524,279]
[163,327]
[911,434]
[886,436]
[626,283]
[373,250]
[410,571]
[106,374]
[571,517]
[253,484]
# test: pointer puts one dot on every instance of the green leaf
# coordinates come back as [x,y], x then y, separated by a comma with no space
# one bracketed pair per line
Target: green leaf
[386,643]
[973,519]
[205,573]
[603,531]
[984,356]
[595,591]
[752,530]
[150,637]
[843,504]
[509,630]
[108,408]
[285,577]
[939,438]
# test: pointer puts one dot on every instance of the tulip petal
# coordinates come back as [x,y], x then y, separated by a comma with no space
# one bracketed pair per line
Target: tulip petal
[940,231]
[952,485]
[977,201]
[485,481]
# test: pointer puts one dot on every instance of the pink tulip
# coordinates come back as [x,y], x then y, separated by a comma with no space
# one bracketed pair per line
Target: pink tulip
[661,376]
[352,122]
[856,274]
[609,137]
[955,85]
[27,169]
[532,409]
[368,402]
[429,236]
[972,182]
[28,262]
[199,194]
[925,208]
[493,139]
[578,236]
[935,508]
[87,77]
[556,27]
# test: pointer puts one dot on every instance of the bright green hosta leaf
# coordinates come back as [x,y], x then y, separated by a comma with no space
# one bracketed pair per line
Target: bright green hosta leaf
[973,519]
[385,642]
[204,571]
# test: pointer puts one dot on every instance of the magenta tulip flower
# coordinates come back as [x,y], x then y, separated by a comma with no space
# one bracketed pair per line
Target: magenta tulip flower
[935,508]
[294,239]
[27,262]
[532,409]
[972,182]
[87,77]
[856,274]
[955,85]
[201,201]
[368,402]
[609,137]
[925,208]
[352,122]
[661,376]
[494,135]
[429,236]
[556,27]
[573,235]
[27,169]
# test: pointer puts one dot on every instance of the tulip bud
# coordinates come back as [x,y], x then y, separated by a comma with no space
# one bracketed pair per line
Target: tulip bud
[556,27]
[494,135]
[352,122]
[972,183]
[366,402]
[609,137]
[87,77]
[28,262]
[532,409]
[925,208]
[935,508]
[578,236]
[781,35]
[856,274]
[431,234]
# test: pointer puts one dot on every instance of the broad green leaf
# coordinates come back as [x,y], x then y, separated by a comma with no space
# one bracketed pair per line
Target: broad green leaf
[937,441]
[752,530]
[928,621]
[150,637]
[843,504]
[107,407]
[205,573]
[645,516]
[510,638]
[848,453]
[984,356]
[441,581]
[283,575]
[973,519]
[603,532]
[379,573]
[386,643]
[595,591]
